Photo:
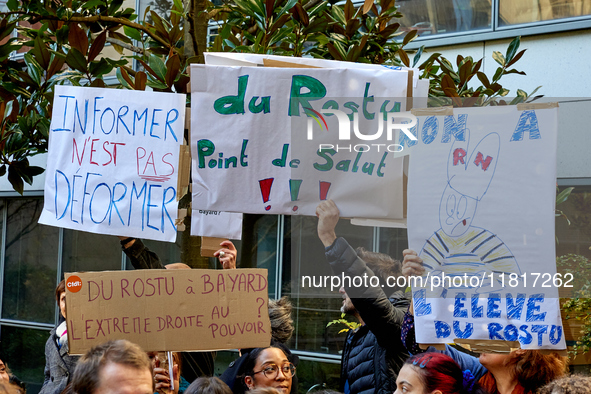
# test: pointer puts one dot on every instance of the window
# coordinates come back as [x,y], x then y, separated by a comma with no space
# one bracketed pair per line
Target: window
[30,263]
[514,12]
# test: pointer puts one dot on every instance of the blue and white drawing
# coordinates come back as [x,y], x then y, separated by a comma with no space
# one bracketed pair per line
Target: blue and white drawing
[459,249]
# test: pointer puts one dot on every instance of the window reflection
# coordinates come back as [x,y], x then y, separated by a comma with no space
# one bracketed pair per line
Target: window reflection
[430,17]
[512,12]
[315,307]
[90,252]
[30,268]
[23,349]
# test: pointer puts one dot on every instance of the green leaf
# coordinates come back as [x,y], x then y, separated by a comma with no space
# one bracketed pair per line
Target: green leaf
[513,47]
[76,60]
[132,32]
[33,68]
[563,195]
[409,37]
[417,56]
[92,3]
[498,74]
[123,78]
[499,58]
[158,66]
[3,170]
[13,5]
[15,179]
[100,68]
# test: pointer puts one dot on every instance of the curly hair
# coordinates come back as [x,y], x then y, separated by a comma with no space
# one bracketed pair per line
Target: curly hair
[532,369]
[572,384]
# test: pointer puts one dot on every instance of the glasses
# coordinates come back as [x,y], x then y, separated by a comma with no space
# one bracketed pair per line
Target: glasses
[271,371]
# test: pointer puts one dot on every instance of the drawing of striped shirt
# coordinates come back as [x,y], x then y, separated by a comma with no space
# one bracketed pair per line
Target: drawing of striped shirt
[477,252]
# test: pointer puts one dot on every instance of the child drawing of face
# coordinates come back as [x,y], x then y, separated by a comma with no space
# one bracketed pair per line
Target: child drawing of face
[456,212]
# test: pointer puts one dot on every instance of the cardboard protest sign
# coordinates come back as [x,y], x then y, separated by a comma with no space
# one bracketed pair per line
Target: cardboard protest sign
[113,162]
[481,216]
[172,310]
[272,144]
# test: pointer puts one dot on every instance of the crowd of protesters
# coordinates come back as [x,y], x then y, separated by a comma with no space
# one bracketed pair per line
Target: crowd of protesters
[381,356]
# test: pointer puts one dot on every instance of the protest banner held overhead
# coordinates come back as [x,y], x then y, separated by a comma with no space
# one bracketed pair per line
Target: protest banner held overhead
[176,310]
[280,140]
[481,216]
[113,162]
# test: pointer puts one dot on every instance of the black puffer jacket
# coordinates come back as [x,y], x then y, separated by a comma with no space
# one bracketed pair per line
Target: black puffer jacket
[374,353]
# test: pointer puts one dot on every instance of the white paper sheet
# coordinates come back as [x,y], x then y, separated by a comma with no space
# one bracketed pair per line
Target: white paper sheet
[481,213]
[113,161]
[249,155]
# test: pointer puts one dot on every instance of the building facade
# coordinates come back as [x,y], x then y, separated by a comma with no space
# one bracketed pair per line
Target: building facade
[557,34]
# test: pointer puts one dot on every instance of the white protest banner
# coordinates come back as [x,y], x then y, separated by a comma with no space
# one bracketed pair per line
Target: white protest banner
[242,59]
[481,197]
[271,141]
[113,162]
[208,223]
[174,310]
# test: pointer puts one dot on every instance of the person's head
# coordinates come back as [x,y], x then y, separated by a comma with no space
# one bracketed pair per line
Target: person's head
[281,321]
[432,373]
[60,297]
[4,372]
[177,266]
[208,385]
[530,368]
[573,384]
[268,367]
[116,367]
[383,266]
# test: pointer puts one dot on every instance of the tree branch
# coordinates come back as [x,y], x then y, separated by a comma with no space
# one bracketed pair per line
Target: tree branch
[125,45]
[96,18]
[312,3]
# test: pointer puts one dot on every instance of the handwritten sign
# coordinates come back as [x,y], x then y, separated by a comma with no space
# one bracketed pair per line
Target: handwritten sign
[172,310]
[280,140]
[481,215]
[113,161]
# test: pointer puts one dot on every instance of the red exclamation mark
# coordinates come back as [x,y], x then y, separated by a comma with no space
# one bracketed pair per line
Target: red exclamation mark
[324,186]
[265,185]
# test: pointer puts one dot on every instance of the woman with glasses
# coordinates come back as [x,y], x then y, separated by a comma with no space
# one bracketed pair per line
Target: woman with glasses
[260,368]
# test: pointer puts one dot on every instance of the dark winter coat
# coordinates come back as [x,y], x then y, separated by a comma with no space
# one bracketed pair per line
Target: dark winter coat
[374,353]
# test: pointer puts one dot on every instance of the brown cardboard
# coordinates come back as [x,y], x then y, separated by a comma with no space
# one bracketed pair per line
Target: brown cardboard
[180,221]
[436,111]
[169,310]
[488,345]
[279,63]
[531,106]
[409,90]
[210,244]
[184,169]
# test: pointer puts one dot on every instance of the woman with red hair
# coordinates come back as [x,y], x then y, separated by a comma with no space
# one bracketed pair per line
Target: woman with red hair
[434,373]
